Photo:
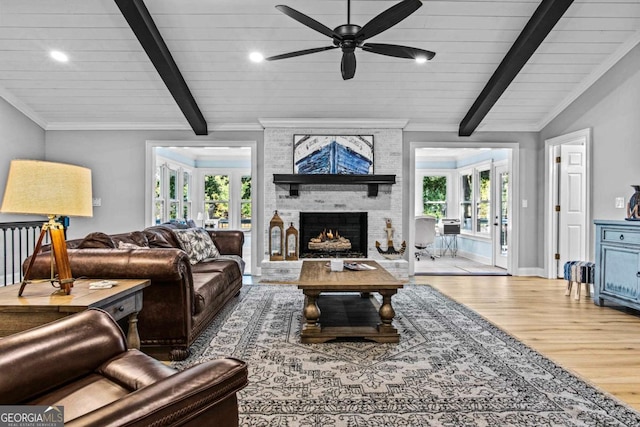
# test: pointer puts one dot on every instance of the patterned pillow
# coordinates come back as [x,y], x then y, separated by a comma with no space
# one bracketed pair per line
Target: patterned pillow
[197,244]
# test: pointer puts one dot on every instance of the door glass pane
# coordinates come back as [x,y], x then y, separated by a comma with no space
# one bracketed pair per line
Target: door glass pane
[434,196]
[504,212]
[216,201]
[484,206]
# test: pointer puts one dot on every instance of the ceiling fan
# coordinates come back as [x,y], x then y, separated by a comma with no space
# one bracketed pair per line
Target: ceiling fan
[350,36]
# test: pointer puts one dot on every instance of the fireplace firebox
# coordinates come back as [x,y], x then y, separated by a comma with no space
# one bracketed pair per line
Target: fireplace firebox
[350,226]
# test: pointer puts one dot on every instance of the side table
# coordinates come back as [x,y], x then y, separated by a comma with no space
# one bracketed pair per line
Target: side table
[38,305]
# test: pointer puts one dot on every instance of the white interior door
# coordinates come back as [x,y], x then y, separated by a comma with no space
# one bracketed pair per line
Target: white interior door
[501,216]
[572,221]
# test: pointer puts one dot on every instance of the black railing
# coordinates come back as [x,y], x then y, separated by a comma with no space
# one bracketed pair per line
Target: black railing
[17,240]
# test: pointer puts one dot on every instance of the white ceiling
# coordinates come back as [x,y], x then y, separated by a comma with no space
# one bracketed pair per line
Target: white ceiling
[109,83]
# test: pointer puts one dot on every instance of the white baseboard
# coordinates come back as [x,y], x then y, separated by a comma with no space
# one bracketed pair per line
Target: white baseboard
[530,271]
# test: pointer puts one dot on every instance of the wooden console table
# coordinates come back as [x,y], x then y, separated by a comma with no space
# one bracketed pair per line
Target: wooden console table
[38,305]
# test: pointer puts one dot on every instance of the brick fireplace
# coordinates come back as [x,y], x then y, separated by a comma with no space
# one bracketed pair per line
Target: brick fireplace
[321,197]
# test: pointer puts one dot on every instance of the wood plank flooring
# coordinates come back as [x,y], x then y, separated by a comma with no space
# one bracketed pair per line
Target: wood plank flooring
[599,344]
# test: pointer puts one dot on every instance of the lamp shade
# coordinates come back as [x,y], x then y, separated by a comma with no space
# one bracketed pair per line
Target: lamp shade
[47,188]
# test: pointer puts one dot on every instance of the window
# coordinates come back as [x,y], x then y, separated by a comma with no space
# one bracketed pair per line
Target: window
[227,199]
[216,201]
[475,200]
[466,187]
[434,196]
[172,192]
[245,202]
[484,201]
[186,195]
[158,212]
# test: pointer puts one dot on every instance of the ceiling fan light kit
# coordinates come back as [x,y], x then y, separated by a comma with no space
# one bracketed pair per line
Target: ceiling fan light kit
[349,37]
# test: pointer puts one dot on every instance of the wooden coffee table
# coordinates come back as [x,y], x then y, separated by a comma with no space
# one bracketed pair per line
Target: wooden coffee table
[320,326]
[38,306]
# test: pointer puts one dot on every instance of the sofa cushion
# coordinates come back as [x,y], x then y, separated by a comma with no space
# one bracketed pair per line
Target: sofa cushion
[228,267]
[157,240]
[160,233]
[207,287]
[197,243]
[97,240]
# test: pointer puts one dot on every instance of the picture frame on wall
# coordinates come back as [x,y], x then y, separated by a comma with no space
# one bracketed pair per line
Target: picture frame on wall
[333,154]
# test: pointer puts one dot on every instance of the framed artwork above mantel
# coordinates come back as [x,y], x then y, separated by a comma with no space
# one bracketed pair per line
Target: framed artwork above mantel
[333,154]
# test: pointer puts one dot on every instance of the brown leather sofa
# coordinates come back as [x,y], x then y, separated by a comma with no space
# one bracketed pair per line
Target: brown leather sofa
[81,362]
[183,297]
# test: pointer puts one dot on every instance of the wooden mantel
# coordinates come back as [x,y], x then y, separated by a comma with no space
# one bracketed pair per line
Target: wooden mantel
[295,180]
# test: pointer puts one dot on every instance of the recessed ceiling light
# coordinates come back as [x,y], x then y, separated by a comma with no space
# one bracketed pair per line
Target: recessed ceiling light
[421,59]
[59,56]
[256,57]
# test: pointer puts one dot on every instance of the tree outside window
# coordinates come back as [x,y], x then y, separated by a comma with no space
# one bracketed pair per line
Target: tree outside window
[484,201]
[434,196]
[216,199]
[245,202]
[466,182]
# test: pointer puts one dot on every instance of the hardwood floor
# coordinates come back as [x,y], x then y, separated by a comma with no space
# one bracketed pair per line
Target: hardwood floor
[599,344]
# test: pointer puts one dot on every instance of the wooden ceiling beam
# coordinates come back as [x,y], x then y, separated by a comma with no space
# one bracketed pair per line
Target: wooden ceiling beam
[141,22]
[539,26]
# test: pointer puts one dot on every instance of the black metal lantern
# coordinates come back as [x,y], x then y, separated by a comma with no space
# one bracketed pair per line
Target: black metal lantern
[276,238]
[291,243]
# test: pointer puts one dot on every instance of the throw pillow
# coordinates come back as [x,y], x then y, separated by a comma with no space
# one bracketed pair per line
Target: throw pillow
[97,240]
[197,244]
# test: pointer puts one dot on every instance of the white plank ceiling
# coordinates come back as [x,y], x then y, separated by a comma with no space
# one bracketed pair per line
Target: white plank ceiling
[109,83]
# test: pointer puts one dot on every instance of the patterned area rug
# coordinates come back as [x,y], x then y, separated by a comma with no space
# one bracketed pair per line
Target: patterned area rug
[451,368]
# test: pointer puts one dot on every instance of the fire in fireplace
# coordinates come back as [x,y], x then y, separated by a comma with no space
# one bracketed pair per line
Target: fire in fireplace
[333,234]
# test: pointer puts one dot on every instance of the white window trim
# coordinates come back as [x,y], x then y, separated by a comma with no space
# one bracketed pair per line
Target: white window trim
[452,209]
[168,165]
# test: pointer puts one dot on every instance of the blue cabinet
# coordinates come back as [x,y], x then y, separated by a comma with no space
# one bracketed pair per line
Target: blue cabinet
[617,277]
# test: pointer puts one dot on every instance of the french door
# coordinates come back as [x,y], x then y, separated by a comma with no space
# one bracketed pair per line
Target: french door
[227,199]
[501,215]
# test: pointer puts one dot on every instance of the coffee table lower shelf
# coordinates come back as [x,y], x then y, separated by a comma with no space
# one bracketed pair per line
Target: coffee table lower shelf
[329,317]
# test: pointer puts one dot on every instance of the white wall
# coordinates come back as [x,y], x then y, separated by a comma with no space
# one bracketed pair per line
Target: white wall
[20,138]
[611,108]
[117,161]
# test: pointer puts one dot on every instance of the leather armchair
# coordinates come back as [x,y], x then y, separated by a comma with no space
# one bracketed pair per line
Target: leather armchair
[81,362]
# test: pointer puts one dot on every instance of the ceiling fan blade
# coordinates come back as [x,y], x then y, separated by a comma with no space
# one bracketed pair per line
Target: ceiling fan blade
[309,22]
[348,65]
[388,18]
[299,53]
[397,51]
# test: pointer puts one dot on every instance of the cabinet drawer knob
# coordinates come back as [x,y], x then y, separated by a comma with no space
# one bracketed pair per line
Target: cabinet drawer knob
[121,308]
[638,274]
[622,237]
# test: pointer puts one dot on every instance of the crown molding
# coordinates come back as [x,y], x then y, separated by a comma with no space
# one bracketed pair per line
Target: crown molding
[22,107]
[588,81]
[488,127]
[116,126]
[334,123]
[237,127]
